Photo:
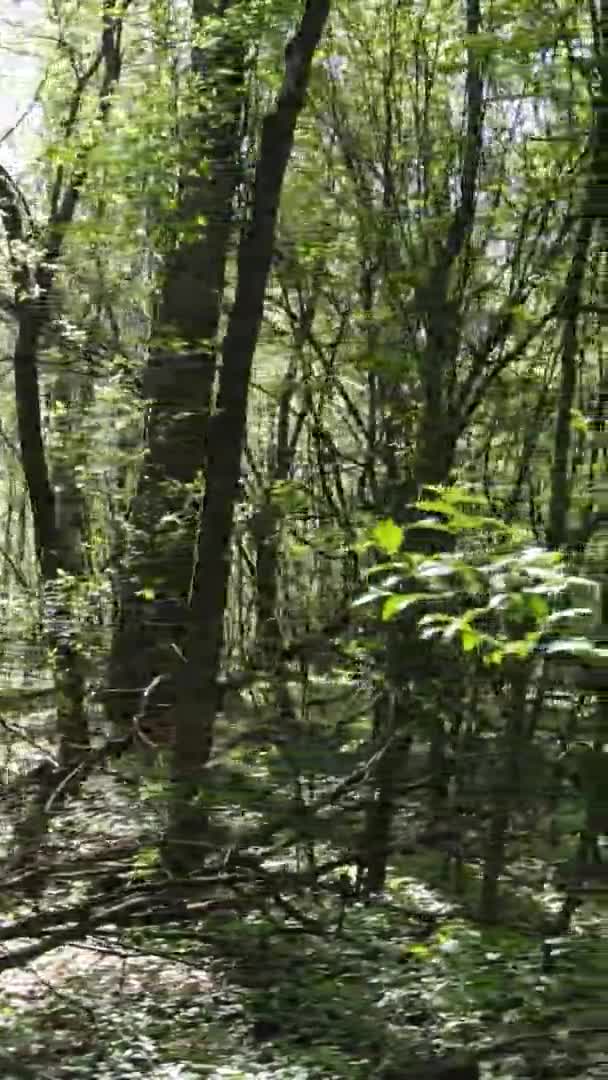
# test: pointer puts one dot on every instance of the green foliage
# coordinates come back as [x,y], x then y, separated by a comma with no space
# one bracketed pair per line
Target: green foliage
[518,588]
[416,327]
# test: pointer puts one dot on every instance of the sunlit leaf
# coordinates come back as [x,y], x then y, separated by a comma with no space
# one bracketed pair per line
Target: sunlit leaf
[146,594]
[470,638]
[369,597]
[397,603]
[388,536]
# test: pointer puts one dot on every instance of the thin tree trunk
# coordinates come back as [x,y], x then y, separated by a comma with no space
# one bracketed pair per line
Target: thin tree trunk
[437,308]
[197,701]
[376,843]
[557,526]
[436,436]
[507,788]
[594,210]
[266,526]
[58,547]
[57,544]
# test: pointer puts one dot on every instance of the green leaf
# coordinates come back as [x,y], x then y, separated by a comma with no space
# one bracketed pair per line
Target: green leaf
[379,568]
[146,594]
[388,536]
[494,658]
[423,951]
[369,597]
[460,496]
[397,603]
[578,422]
[147,859]
[538,605]
[436,506]
[470,638]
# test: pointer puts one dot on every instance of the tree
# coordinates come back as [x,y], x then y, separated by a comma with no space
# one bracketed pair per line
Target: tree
[178,380]
[197,701]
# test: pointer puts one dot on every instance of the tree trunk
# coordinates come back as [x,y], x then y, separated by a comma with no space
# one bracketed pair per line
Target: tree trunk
[58,547]
[197,698]
[557,526]
[593,210]
[389,721]
[178,382]
[507,788]
[266,523]
[58,544]
[436,435]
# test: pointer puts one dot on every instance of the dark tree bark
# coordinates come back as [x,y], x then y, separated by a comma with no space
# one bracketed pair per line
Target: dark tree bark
[197,692]
[511,748]
[435,304]
[593,212]
[390,722]
[178,381]
[557,526]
